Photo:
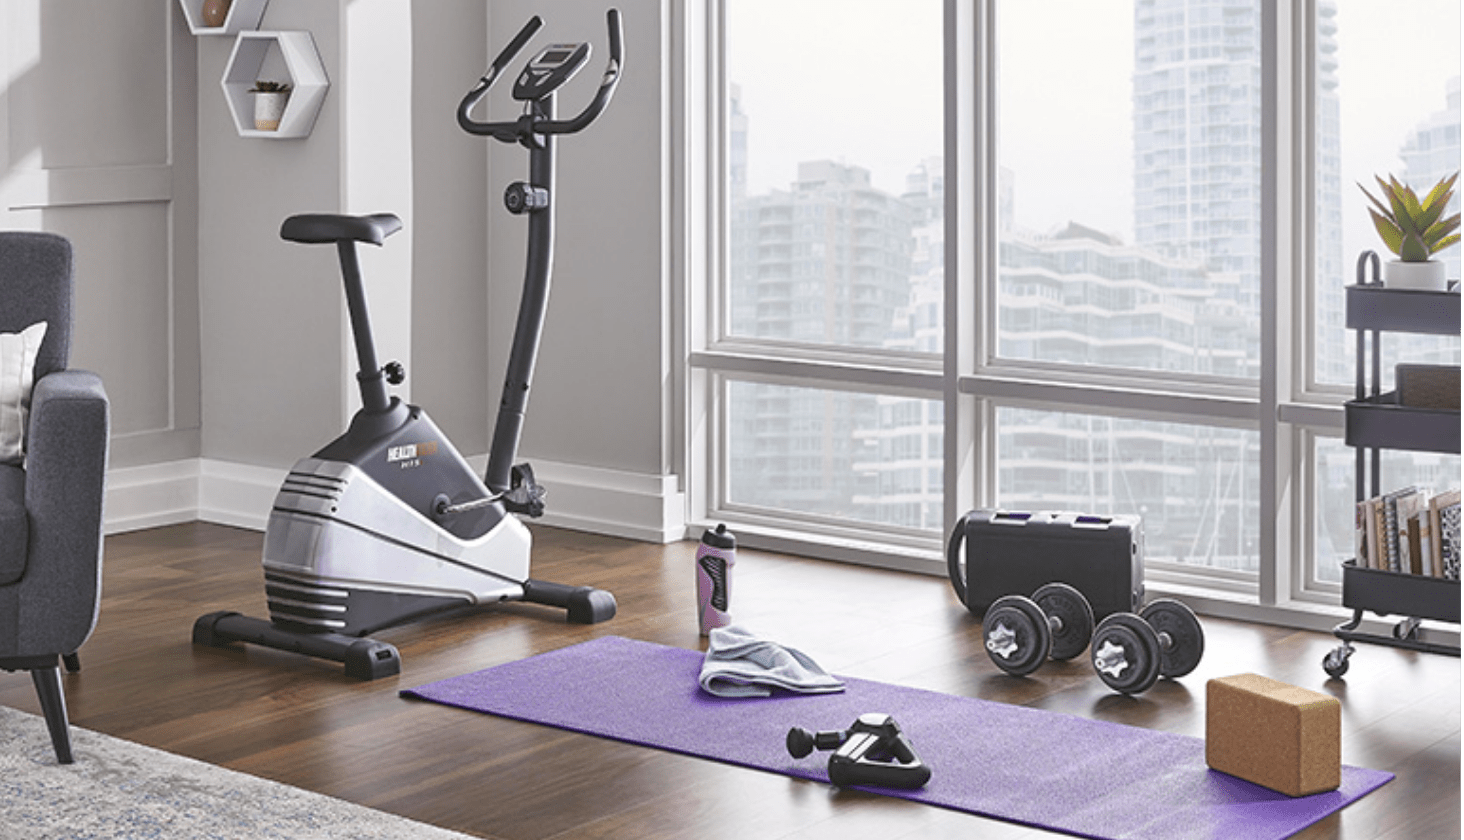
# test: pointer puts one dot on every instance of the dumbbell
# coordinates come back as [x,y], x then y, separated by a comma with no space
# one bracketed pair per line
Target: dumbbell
[1021,633]
[1130,652]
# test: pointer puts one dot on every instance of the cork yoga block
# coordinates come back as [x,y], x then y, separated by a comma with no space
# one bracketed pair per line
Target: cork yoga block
[1279,736]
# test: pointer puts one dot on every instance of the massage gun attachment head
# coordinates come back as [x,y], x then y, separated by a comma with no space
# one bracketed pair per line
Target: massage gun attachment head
[801,741]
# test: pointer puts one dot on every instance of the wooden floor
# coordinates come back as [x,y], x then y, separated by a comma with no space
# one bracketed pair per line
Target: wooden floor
[302,722]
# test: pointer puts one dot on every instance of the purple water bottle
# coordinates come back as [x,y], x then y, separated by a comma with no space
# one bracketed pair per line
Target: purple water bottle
[714,560]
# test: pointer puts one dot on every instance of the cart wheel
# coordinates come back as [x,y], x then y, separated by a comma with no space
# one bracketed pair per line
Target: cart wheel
[1406,630]
[1335,662]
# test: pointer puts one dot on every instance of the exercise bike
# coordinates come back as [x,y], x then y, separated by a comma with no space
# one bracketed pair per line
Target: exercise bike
[388,523]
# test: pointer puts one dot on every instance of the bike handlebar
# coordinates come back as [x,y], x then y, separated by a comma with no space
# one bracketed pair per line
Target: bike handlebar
[520,129]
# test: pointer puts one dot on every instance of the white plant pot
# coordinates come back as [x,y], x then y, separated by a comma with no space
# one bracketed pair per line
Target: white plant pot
[269,108]
[1415,275]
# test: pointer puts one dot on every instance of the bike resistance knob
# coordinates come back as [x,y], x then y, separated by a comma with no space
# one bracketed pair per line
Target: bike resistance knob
[525,198]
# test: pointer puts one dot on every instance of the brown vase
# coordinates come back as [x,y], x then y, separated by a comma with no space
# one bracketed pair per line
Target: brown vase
[215,12]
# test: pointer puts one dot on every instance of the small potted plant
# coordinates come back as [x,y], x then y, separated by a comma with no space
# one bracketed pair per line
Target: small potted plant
[1415,230]
[269,104]
[215,13]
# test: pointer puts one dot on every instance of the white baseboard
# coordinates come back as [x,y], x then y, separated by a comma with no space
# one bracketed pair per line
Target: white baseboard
[636,506]
[151,496]
[237,494]
[649,508]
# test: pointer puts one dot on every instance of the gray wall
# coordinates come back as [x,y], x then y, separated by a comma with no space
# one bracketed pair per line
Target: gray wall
[269,311]
[449,374]
[96,144]
[600,391]
[278,378]
[218,340]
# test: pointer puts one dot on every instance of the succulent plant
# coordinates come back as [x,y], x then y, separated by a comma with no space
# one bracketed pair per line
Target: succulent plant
[1413,229]
[270,87]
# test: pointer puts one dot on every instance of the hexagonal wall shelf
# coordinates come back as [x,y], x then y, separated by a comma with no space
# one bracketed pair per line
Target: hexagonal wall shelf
[291,54]
[243,14]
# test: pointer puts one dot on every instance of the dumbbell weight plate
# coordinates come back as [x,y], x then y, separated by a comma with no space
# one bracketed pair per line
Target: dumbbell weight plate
[1186,636]
[1125,653]
[1017,637]
[1075,615]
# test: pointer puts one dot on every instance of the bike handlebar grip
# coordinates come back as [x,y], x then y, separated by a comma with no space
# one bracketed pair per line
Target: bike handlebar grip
[517,44]
[471,99]
[613,68]
[512,132]
[612,22]
[494,71]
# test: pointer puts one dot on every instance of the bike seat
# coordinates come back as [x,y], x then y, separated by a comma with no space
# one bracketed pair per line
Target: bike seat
[317,228]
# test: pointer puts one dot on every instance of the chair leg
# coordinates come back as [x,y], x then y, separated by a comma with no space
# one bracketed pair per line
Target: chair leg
[72,661]
[53,702]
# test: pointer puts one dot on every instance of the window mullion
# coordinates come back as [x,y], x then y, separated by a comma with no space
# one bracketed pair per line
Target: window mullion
[970,173]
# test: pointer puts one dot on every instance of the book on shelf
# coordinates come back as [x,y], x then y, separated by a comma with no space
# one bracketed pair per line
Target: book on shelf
[1406,517]
[1423,526]
[1375,530]
[1436,537]
[1362,533]
[1448,531]
[1415,545]
[1409,531]
[1389,554]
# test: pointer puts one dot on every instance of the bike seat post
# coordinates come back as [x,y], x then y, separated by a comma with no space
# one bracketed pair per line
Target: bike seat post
[373,382]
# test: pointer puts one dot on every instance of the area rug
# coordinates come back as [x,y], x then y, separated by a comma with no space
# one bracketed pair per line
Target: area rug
[117,789]
[1053,771]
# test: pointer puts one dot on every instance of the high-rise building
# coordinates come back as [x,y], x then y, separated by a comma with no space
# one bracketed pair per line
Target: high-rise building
[736,145]
[1184,299]
[826,262]
[903,449]
[1197,147]
[1082,297]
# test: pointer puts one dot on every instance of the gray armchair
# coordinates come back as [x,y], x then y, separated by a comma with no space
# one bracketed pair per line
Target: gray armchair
[51,505]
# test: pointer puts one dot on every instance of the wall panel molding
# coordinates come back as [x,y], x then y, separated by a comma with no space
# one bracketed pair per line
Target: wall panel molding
[35,189]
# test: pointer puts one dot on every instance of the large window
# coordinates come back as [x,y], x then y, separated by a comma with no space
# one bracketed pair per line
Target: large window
[834,214]
[1139,256]
[1194,485]
[1373,116]
[961,256]
[834,454]
[1143,251]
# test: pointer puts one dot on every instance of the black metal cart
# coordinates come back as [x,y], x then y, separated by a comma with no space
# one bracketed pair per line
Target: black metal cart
[1376,421]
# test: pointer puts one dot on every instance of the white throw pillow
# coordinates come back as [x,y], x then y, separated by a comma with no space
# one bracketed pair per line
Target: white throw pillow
[17,374]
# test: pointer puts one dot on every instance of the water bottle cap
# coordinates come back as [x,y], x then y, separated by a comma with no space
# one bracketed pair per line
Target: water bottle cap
[720,538]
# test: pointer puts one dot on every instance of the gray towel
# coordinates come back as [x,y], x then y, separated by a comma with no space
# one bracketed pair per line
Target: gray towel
[739,664]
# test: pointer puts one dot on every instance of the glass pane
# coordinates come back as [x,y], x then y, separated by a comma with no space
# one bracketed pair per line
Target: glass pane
[1336,469]
[1129,151]
[1195,486]
[814,452]
[1376,116]
[835,179]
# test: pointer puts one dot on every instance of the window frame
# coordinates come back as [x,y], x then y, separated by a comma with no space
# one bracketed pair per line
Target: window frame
[1285,406]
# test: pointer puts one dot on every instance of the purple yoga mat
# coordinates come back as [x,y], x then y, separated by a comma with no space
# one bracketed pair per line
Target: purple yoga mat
[1085,777]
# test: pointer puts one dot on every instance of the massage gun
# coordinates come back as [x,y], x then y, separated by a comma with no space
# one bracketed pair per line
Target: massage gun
[871,752]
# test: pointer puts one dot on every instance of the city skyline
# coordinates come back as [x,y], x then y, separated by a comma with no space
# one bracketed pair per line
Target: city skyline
[1178,293]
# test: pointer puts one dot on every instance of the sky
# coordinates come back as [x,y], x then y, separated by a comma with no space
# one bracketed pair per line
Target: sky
[1383,95]
[851,80]
[860,81]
